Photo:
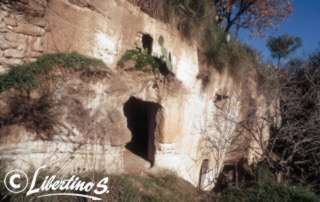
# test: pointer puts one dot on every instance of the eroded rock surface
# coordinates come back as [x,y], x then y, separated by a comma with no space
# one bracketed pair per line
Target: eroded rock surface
[174,122]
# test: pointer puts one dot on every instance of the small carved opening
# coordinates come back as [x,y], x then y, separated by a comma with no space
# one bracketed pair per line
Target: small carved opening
[163,68]
[203,174]
[147,42]
[220,97]
[141,121]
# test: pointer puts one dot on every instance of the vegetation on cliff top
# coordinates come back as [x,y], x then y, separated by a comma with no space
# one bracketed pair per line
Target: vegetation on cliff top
[255,16]
[24,75]
[196,21]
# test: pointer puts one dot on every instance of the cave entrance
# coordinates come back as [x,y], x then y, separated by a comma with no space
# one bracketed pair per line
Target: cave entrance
[141,121]
[147,42]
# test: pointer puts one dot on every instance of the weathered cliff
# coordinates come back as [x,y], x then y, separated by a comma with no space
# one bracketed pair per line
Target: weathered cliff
[117,118]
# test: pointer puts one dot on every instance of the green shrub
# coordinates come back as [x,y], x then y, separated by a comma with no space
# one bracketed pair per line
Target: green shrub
[23,76]
[142,59]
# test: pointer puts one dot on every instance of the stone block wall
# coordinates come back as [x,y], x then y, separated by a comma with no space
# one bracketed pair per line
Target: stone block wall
[22,28]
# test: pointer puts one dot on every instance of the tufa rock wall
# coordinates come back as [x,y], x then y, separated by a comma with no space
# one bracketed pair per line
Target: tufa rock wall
[128,121]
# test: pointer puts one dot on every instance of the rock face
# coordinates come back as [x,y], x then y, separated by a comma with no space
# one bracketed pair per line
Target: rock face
[170,123]
[22,28]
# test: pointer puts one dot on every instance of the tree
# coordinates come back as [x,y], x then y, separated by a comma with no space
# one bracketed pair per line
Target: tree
[256,15]
[294,146]
[282,46]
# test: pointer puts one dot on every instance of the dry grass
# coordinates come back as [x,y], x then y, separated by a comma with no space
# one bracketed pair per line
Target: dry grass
[36,115]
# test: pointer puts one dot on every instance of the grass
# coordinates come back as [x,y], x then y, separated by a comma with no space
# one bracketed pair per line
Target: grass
[168,187]
[269,192]
[151,188]
[24,75]
[122,188]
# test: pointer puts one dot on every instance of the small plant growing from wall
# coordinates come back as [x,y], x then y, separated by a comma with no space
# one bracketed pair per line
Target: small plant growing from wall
[144,61]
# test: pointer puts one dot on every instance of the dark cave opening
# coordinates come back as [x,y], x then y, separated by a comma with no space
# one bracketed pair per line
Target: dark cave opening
[141,121]
[147,45]
[163,68]
[147,42]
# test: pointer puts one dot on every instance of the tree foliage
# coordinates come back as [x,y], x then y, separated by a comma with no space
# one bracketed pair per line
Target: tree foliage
[256,15]
[282,46]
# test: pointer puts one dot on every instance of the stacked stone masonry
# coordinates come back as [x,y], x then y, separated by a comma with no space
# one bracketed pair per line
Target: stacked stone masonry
[22,30]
